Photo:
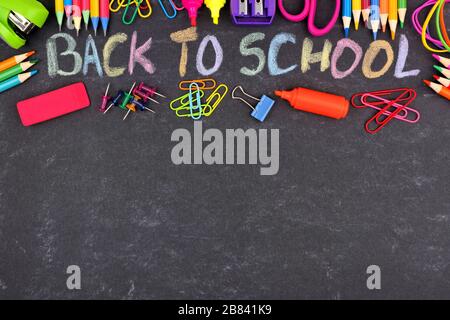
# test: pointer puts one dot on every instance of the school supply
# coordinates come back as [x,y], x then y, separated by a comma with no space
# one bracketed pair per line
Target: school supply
[444,71]
[53,104]
[140,105]
[444,81]
[18,18]
[192,7]
[127,97]
[375,17]
[393,17]
[444,61]
[188,104]
[384,13]
[317,102]
[215,6]
[147,93]
[173,8]
[76,15]
[59,11]
[356,10]
[95,14]
[128,19]
[309,10]
[402,8]
[11,62]
[439,89]
[390,104]
[105,100]
[68,8]
[253,12]
[17,69]
[115,101]
[16,80]
[346,15]
[104,15]
[365,12]
[262,108]
[437,10]
[86,11]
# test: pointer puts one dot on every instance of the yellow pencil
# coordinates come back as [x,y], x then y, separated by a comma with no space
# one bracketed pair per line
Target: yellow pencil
[356,9]
[393,17]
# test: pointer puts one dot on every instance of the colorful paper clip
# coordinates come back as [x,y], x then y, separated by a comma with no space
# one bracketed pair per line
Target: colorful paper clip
[140,8]
[165,11]
[261,110]
[390,104]
[194,97]
[183,101]
[203,84]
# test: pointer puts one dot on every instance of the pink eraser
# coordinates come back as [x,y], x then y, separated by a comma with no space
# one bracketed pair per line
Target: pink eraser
[53,104]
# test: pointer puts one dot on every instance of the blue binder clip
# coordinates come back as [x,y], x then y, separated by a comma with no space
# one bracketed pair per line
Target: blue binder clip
[261,110]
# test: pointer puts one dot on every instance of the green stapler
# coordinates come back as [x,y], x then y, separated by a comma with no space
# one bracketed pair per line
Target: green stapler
[18,18]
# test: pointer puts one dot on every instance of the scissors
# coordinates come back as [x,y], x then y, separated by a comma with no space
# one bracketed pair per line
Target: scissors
[309,11]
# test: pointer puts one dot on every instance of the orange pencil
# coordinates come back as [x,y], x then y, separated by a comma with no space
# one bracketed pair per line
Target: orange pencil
[439,89]
[384,13]
[11,62]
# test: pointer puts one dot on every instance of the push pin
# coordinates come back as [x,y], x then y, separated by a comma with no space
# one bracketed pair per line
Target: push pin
[147,93]
[130,107]
[140,105]
[263,107]
[115,101]
[127,97]
[105,100]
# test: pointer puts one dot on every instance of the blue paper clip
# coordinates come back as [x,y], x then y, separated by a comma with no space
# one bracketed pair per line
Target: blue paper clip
[198,107]
[163,7]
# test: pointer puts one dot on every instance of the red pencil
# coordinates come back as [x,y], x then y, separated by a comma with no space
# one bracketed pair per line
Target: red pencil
[365,10]
[439,89]
[444,81]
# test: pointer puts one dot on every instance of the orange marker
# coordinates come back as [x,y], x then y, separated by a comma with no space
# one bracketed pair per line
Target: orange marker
[317,102]
[439,89]
[11,62]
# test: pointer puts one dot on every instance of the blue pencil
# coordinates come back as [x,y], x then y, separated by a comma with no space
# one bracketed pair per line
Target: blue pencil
[375,17]
[347,15]
[16,80]
[68,8]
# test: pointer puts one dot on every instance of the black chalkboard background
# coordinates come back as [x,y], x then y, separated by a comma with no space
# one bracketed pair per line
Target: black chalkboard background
[95,191]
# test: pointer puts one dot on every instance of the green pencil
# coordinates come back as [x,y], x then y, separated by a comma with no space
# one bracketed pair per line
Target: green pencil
[402,7]
[21,67]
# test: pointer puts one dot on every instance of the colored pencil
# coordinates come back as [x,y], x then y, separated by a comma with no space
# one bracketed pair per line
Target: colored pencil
[439,89]
[393,17]
[384,13]
[444,71]
[76,14]
[444,81]
[68,8]
[17,69]
[86,11]
[104,15]
[59,11]
[356,10]
[444,61]
[346,15]
[16,80]
[365,10]
[11,62]
[402,8]
[375,17]
[95,14]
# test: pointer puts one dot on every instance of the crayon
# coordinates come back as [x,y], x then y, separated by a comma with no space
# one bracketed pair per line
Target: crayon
[317,102]
[444,61]
[365,10]
[439,89]
[402,8]
[444,81]
[76,14]
[375,17]
[11,62]
[393,17]
[59,11]
[95,14]
[346,15]
[17,69]
[104,15]
[86,11]
[68,8]
[384,13]
[444,71]
[356,10]
[16,80]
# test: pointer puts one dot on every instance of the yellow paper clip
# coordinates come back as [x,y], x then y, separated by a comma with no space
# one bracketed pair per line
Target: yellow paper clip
[183,101]
[215,98]
[203,84]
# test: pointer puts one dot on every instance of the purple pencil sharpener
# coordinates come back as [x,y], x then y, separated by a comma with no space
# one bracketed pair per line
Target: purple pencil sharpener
[253,12]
